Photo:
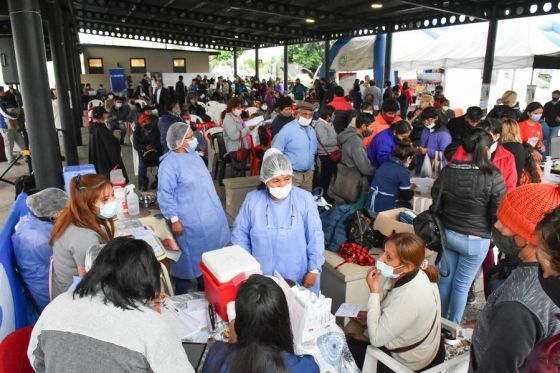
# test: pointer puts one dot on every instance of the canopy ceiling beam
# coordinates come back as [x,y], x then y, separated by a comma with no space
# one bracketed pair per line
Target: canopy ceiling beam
[457,8]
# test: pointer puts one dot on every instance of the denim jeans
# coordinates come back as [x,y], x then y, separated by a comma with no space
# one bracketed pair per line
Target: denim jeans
[121,127]
[182,285]
[142,172]
[465,253]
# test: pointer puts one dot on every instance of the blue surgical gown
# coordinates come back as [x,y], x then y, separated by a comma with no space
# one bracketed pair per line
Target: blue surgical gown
[284,236]
[33,254]
[186,190]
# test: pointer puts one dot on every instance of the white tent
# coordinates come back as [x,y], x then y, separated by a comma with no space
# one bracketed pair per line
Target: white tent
[518,41]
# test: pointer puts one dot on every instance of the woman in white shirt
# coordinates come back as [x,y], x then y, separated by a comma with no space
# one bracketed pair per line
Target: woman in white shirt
[404,309]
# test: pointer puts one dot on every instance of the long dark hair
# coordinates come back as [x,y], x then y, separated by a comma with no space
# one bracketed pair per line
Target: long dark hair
[263,328]
[476,143]
[529,109]
[126,273]
[530,165]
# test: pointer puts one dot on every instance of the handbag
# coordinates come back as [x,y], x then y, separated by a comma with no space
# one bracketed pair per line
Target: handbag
[335,156]
[242,153]
[348,183]
[428,226]
[354,253]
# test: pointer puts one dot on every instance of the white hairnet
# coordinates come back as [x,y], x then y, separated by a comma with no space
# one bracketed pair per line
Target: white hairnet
[47,203]
[176,135]
[275,164]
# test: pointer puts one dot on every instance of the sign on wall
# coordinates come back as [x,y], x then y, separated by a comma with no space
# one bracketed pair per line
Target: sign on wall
[117,79]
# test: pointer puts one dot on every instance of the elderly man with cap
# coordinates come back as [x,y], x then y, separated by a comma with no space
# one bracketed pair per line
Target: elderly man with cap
[188,200]
[104,147]
[31,241]
[297,140]
[519,314]
[279,225]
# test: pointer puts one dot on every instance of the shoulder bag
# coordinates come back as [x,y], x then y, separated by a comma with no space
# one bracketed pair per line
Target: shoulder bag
[429,227]
[335,156]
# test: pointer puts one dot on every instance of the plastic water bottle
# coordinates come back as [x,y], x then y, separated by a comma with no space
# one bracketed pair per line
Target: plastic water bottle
[547,168]
[132,201]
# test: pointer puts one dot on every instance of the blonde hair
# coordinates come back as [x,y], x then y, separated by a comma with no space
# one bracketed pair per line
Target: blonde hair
[509,98]
[510,131]
[428,99]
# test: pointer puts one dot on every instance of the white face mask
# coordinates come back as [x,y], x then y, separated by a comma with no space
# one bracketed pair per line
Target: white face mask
[445,108]
[264,107]
[430,126]
[237,112]
[493,147]
[118,105]
[304,121]
[280,192]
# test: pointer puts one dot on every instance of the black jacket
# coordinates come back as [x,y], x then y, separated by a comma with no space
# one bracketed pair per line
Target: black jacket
[470,198]
[504,111]
[551,112]
[164,98]
[104,150]
[520,155]
[180,92]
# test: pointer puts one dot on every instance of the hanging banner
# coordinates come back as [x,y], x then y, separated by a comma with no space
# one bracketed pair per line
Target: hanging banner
[346,81]
[117,80]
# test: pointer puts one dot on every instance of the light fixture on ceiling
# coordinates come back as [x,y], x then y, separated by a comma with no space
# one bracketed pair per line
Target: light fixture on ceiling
[378,4]
[310,20]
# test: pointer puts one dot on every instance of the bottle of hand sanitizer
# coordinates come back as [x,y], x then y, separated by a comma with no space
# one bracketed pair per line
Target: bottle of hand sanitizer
[132,201]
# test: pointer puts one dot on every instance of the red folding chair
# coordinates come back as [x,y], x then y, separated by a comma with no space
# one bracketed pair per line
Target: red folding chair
[13,352]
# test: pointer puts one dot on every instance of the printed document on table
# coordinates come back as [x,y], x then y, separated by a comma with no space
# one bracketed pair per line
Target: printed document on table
[348,310]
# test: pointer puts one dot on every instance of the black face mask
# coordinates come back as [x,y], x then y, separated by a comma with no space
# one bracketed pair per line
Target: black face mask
[366,133]
[148,127]
[551,287]
[555,99]
[506,244]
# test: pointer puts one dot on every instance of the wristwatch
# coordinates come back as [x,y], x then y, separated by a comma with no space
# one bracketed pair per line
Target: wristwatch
[174,219]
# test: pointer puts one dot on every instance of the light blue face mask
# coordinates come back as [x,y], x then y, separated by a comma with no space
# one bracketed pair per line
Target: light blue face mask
[192,145]
[536,117]
[108,210]
[386,270]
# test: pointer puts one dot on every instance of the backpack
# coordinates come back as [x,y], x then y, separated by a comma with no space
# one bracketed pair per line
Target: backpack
[359,228]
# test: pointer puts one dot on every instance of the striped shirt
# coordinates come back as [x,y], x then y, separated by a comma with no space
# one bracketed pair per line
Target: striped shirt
[84,335]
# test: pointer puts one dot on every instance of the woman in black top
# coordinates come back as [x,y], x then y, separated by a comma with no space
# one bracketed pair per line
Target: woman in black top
[511,140]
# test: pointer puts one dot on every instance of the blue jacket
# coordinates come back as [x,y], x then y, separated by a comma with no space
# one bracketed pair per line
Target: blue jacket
[186,190]
[283,236]
[435,141]
[334,226]
[33,254]
[164,122]
[381,147]
[294,364]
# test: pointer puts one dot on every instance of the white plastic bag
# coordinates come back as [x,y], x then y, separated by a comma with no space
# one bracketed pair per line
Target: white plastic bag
[426,170]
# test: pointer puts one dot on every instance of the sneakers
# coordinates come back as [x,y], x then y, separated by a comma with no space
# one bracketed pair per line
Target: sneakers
[471,297]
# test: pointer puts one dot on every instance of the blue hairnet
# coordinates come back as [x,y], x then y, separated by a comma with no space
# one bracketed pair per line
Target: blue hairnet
[275,164]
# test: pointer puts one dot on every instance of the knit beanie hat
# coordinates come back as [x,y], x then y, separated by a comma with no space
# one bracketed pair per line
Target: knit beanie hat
[523,208]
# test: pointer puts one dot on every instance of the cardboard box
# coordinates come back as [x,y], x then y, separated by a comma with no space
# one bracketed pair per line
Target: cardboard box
[387,223]
[236,190]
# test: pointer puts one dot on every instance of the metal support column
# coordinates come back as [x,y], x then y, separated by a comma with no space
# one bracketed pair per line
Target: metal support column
[326,59]
[235,62]
[75,78]
[285,67]
[58,52]
[489,58]
[379,59]
[388,55]
[257,61]
[29,46]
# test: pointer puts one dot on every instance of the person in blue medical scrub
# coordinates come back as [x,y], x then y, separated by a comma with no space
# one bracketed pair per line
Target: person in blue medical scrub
[188,200]
[280,226]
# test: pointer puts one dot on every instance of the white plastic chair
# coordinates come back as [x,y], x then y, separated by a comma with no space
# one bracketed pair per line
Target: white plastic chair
[95,102]
[212,147]
[141,102]
[196,118]
[211,104]
[252,110]
[458,364]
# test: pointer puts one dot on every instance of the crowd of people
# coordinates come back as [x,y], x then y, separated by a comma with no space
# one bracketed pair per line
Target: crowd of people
[361,147]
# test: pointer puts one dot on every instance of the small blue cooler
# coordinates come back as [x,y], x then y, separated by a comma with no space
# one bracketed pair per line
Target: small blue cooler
[70,171]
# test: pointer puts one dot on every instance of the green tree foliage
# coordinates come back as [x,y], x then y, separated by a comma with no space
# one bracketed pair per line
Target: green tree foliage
[309,55]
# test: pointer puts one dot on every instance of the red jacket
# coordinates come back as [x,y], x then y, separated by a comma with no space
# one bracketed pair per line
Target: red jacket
[340,103]
[503,160]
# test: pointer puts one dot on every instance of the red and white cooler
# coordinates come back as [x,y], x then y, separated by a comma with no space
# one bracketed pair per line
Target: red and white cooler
[223,271]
